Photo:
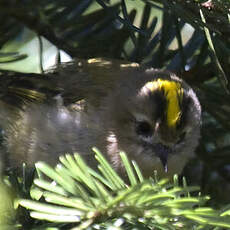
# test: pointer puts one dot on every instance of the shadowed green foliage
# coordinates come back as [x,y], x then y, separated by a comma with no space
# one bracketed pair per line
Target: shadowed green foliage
[73,196]
[154,33]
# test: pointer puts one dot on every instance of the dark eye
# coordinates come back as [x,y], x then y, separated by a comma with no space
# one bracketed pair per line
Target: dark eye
[181,137]
[144,128]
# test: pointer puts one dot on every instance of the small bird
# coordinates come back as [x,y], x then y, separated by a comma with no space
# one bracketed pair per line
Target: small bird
[150,114]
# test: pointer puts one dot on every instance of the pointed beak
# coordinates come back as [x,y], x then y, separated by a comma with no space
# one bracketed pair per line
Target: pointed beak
[164,160]
[162,152]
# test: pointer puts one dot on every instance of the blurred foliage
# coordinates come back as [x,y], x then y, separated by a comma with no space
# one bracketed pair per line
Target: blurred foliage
[74,196]
[155,35]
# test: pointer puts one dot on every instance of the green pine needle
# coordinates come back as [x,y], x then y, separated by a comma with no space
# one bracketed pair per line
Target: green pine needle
[75,193]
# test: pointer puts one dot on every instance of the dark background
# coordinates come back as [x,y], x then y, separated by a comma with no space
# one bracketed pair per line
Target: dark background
[187,37]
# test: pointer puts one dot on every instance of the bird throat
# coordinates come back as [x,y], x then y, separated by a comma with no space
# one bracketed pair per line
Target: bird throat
[173,93]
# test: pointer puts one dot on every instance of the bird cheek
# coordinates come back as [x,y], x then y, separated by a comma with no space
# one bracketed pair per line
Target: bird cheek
[168,135]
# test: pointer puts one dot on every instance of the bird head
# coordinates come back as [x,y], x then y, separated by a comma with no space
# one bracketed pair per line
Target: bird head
[155,119]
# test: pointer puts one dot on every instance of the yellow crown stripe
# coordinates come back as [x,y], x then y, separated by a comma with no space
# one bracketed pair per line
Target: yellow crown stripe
[174,95]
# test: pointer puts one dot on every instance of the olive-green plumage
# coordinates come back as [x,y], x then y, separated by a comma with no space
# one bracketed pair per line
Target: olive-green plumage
[150,114]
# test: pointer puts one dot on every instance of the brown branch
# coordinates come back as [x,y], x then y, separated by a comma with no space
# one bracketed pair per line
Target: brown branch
[33,21]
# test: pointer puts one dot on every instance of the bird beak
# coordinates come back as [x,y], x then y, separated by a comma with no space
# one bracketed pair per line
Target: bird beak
[162,152]
[164,160]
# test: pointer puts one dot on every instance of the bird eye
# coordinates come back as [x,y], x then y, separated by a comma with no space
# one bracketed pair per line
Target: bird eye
[181,137]
[144,128]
